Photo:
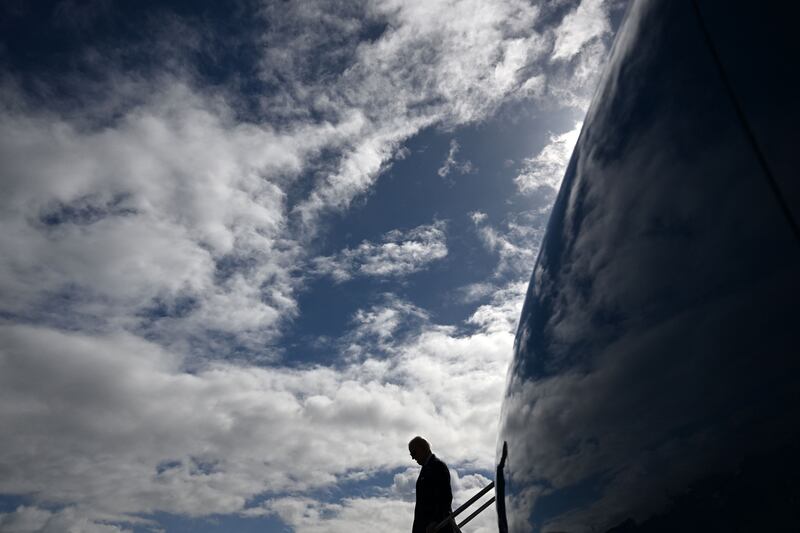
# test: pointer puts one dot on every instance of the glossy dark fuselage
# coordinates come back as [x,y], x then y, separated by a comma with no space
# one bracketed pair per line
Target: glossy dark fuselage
[654,385]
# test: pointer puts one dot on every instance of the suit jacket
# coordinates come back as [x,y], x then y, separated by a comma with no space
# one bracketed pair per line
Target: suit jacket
[434,496]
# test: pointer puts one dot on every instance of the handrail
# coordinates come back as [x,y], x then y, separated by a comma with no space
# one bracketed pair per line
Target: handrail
[451,517]
[480,509]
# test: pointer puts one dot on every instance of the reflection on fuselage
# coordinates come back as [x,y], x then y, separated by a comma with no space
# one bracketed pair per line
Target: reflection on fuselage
[654,385]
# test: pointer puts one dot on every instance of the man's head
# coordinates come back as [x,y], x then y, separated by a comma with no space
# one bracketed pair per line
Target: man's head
[419,449]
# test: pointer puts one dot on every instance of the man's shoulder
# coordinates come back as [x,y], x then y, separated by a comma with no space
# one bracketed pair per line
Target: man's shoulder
[437,463]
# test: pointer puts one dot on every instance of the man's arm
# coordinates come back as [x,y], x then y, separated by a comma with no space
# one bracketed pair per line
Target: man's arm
[442,493]
[446,492]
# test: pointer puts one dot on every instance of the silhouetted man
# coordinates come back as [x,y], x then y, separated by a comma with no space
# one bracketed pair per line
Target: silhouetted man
[434,496]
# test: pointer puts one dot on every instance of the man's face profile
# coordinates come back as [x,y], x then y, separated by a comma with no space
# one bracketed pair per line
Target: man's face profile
[411,451]
[417,452]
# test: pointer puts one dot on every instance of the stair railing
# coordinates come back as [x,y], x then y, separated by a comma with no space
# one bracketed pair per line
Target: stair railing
[451,517]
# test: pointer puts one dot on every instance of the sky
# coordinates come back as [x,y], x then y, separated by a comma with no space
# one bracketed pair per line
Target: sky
[250,249]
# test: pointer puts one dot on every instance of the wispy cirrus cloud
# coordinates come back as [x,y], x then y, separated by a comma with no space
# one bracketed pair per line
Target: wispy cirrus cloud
[450,163]
[377,329]
[546,169]
[581,28]
[516,243]
[430,67]
[400,253]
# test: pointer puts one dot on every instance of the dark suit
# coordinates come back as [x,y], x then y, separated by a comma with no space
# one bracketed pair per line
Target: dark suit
[434,496]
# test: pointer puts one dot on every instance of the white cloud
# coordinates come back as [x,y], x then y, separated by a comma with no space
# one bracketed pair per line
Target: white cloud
[383,321]
[547,168]
[401,253]
[516,245]
[402,153]
[137,434]
[352,514]
[476,291]
[503,312]
[580,45]
[191,205]
[377,329]
[450,163]
[26,519]
[478,217]
[379,513]
[587,23]
[439,64]
[167,217]
[113,221]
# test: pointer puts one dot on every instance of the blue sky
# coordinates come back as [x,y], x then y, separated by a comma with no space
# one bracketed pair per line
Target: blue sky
[250,250]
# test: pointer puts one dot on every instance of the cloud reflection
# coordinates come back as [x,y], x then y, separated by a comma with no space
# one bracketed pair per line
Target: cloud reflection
[655,348]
